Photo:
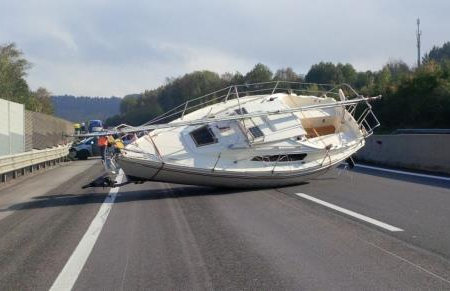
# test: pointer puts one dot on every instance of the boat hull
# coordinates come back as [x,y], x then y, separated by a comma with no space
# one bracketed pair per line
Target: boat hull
[157,171]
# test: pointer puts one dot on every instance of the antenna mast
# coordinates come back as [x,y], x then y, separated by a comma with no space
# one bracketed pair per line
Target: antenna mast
[418,34]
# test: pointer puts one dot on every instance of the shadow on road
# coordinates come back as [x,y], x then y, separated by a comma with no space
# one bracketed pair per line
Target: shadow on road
[180,191]
[404,177]
[175,191]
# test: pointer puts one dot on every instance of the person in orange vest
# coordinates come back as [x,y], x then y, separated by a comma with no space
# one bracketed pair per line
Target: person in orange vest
[102,143]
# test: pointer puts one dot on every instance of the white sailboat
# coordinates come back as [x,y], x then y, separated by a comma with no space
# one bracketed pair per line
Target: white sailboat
[261,135]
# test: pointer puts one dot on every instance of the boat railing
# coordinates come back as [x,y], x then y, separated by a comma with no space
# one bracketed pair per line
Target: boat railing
[368,121]
[236,92]
[347,98]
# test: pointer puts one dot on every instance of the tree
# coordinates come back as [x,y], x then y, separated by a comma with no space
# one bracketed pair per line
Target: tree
[398,70]
[286,74]
[438,54]
[364,80]
[260,73]
[419,100]
[138,109]
[411,98]
[188,87]
[383,79]
[43,101]
[128,102]
[232,79]
[324,73]
[13,68]
[348,73]
[13,86]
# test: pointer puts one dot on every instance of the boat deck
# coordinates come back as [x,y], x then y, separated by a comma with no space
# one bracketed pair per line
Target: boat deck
[312,132]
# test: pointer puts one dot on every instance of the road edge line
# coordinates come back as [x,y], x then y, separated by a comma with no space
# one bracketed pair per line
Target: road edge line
[73,267]
[403,172]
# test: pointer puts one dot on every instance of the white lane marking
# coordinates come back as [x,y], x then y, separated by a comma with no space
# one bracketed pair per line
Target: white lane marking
[404,172]
[69,274]
[351,213]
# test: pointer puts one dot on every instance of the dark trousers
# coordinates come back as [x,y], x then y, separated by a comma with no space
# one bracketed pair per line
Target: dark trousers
[102,151]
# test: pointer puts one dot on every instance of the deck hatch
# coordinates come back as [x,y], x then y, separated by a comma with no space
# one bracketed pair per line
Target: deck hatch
[256,131]
[203,136]
[280,158]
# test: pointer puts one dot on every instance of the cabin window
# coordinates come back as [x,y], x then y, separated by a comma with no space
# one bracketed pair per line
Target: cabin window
[241,111]
[256,131]
[296,157]
[279,158]
[203,136]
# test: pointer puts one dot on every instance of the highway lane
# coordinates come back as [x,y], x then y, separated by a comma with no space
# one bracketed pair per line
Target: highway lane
[163,236]
[47,215]
[27,188]
[420,206]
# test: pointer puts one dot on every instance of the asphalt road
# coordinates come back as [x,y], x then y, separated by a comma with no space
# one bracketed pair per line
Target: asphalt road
[159,236]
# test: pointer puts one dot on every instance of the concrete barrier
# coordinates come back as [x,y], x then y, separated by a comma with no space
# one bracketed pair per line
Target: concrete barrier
[428,152]
[11,128]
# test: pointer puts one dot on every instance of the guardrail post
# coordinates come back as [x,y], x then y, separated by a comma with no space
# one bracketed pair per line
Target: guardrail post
[4,178]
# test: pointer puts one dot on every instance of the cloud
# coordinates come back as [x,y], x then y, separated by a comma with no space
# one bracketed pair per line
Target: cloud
[100,47]
[114,79]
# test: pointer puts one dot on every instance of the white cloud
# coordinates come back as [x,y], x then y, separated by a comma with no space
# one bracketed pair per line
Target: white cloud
[118,47]
[100,79]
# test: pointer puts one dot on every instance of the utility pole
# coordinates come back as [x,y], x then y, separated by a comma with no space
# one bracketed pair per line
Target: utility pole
[418,34]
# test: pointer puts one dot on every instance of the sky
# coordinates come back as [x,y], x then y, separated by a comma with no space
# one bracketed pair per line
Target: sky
[115,48]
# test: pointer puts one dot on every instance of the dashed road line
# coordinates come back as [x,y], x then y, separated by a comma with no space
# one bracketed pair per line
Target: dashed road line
[350,213]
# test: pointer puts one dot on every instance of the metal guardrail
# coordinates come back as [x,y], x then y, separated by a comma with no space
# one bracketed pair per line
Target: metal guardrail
[16,162]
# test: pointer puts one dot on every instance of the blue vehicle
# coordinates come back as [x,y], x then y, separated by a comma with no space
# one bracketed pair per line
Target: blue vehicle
[95,126]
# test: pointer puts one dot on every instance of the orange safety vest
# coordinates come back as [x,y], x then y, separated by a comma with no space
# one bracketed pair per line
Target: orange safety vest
[102,141]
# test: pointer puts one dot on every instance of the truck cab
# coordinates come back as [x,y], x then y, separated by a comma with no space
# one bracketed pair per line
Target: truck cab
[95,125]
